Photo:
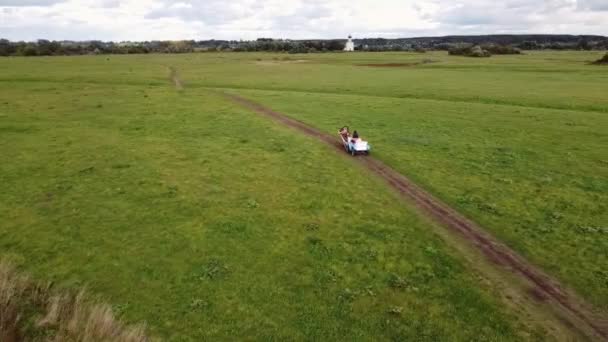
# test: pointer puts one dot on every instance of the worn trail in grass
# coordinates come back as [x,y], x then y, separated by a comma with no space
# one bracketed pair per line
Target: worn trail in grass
[567,306]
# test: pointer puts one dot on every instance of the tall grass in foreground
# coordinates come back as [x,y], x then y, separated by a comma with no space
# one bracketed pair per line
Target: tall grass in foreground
[34,311]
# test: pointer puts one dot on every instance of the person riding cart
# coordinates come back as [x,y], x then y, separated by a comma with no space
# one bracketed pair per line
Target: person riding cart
[353,145]
[344,132]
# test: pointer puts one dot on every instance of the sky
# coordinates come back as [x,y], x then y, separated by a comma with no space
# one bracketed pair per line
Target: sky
[136,20]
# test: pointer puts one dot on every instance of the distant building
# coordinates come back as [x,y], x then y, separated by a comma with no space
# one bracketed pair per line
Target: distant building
[350,45]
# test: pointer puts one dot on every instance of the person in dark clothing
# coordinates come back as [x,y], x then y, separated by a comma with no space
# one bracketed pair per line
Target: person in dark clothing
[355,137]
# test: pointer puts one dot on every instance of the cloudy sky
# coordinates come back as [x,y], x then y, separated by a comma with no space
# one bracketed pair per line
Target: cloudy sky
[250,19]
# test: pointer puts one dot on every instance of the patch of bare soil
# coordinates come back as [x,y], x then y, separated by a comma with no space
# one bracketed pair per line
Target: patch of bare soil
[574,313]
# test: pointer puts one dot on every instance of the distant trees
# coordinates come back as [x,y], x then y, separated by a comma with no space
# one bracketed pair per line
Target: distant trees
[522,42]
[529,45]
[457,45]
[29,50]
[6,48]
[46,48]
[583,44]
[283,45]
[52,48]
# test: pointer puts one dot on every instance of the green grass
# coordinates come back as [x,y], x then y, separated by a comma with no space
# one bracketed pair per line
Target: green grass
[536,178]
[559,80]
[207,222]
[518,143]
[545,80]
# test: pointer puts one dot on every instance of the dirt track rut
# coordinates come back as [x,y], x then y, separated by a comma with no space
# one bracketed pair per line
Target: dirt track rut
[573,312]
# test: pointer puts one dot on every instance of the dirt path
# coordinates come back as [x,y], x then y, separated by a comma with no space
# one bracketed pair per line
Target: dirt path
[535,292]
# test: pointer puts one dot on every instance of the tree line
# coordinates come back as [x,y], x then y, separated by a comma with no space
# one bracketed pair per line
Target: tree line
[55,48]
[495,44]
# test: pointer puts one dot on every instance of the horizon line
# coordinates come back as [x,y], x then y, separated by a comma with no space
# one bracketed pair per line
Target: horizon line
[305,39]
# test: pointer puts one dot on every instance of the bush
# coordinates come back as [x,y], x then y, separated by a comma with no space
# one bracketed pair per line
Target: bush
[496,49]
[602,61]
[477,51]
[459,50]
[469,51]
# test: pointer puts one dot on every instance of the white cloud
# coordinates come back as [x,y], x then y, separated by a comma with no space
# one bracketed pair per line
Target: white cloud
[26,3]
[595,5]
[249,19]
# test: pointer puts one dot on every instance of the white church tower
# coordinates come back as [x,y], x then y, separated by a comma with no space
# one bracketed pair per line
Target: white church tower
[350,45]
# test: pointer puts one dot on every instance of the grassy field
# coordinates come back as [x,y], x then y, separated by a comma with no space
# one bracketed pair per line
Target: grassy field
[537,178]
[518,143]
[205,221]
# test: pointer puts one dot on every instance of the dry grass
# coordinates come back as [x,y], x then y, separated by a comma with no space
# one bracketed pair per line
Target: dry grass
[32,311]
